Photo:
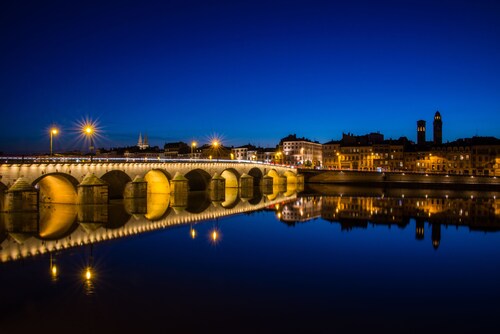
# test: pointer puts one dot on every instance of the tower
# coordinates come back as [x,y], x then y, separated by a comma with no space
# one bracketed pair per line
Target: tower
[139,142]
[438,129]
[143,143]
[421,132]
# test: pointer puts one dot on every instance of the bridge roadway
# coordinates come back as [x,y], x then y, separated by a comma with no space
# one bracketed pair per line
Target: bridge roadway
[62,226]
[56,179]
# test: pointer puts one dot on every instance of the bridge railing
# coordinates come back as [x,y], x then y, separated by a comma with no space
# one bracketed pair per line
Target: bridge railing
[96,159]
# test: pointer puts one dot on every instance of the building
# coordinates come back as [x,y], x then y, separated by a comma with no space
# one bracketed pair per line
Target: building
[421,133]
[390,155]
[331,154]
[352,152]
[469,156]
[301,151]
[143,143]
[438,129]
[240,153]
[177,150]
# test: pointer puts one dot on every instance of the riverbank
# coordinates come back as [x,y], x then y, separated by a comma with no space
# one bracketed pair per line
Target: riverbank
[398,179]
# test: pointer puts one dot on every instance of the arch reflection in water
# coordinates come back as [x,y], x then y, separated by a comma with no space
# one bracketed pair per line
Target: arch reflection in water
[60,226]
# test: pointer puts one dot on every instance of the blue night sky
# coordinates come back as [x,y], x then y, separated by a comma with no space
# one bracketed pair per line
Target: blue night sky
[249,71]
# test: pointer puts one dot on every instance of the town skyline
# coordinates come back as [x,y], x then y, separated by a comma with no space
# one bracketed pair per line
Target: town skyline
[76,139]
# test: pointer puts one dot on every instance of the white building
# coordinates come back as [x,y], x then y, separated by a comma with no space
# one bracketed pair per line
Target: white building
[302,152]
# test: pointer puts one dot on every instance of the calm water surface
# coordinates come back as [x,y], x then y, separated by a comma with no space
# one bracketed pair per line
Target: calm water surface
[349,261]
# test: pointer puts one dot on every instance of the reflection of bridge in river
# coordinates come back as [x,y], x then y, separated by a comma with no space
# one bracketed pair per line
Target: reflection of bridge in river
[61,226]
[358,207]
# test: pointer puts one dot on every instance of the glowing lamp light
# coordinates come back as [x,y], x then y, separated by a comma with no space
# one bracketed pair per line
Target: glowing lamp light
[215,235]
[88,274]
[193,233]
[54,270]
[53,132]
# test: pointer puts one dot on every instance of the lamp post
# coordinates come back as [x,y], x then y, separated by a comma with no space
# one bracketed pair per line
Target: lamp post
[215,145]
[53,132]
[89,131]
[193,145]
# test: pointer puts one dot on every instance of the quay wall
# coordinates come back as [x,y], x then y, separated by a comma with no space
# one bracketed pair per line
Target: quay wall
[398,179]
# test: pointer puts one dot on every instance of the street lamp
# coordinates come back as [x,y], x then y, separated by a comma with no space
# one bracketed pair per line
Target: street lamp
[193,145]
[53,132]
[88,130]
[215,145]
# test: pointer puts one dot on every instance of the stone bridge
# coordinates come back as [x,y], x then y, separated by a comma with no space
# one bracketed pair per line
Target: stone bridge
[26,182]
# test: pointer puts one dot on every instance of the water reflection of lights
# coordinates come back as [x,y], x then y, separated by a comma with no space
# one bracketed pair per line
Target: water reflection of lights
[215,235]
[89,281]
[88,273]
[54,272]
[11,250]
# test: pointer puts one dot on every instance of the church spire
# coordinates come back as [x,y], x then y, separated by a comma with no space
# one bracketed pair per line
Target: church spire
[139,142]
[143,143]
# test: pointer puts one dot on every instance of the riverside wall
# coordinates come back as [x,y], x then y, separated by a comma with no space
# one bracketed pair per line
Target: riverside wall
[398,179]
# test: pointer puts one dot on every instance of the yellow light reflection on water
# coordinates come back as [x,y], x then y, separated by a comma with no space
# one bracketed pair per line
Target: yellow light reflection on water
[88,274]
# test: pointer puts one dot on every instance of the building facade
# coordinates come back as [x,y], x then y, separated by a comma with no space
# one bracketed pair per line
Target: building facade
[302,152]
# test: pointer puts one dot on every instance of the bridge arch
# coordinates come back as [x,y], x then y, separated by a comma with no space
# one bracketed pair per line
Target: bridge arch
[231,198]
[256,173]
[57,221]
[3,189]
[232,177]
[118,216]
[274,174]
[198,179]
[157,206]
[290,177]
[198,202]
[274,194]
[256,199]
[158,181]
[116,180]
[57,188]
[291,189]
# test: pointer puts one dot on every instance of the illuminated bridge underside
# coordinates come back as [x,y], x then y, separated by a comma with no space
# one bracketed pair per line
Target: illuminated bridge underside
[61,230]
[57,182]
